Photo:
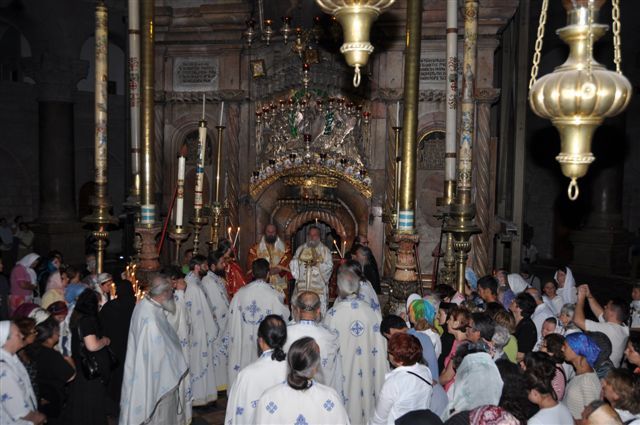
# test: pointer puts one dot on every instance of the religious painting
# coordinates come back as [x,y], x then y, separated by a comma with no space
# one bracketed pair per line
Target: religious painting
[258,68]
[431,151]
[192,149]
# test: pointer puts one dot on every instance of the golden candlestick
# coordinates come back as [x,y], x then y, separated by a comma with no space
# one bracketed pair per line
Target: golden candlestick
[179,234]
[218,212]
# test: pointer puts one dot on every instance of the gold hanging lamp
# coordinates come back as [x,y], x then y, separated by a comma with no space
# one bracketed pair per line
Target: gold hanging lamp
[356,18]
[579,94]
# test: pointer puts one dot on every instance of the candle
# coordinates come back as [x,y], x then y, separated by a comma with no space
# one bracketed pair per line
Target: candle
[101,97]
[235,240]
[316,221]
[221,113]
[204,99]
[337,248]
[180,196]
[202,142]
[229,233]
[398,114]
[344,248]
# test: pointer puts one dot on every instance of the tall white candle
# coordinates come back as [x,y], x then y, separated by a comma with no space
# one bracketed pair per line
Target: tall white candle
[221,113]
[398,114]
[202,143]
[204,101]
[180,196]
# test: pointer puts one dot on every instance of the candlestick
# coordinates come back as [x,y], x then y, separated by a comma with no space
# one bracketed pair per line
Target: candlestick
[180,195]
[221,113]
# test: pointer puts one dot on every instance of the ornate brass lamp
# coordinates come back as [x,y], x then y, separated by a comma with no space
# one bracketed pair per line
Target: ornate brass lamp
[356,17]
[579,94]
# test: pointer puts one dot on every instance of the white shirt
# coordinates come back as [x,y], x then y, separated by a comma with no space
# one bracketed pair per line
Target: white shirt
[541,313]
[618,335]
[558,414]
[402,392]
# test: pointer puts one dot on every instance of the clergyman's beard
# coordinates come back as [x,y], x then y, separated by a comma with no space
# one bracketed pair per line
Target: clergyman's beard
[220,273]
[271,239]
[202,273]
[312,243]
[169,305]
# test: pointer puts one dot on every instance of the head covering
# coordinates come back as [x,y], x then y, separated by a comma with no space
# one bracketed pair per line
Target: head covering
[478,383]
[24,310]
[491,415]
[55,281]
[58,308]
[422,309]
[411,298]
[584,346]
[569,280]
[603,363]
[72,291]
[103,278]
[5,329]
[26,262]
[39,315]
[471,277]
[517,283]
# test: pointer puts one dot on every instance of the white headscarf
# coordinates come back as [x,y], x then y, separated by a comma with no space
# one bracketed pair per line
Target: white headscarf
[5,329]
[568,291]
[517,283]
[26,262]
[478,383]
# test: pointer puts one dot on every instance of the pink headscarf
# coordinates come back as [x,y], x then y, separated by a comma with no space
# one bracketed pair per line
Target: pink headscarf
[55,282]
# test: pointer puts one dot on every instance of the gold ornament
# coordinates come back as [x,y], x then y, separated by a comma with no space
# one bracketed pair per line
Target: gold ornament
[579,94]
[356,17]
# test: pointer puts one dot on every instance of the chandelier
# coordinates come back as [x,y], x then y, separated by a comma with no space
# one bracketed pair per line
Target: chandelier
[579,94]
[302,38]
[356,18]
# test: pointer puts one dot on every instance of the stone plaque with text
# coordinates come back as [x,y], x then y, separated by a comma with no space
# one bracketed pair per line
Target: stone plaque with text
[195,74]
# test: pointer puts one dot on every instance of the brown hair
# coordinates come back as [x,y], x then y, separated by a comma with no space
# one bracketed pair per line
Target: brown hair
[505,318]
[405,348]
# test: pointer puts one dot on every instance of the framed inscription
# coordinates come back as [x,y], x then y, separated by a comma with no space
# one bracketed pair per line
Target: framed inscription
[431,151]
[195,74]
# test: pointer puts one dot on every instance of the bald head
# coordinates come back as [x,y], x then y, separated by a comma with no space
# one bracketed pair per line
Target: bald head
[307,306]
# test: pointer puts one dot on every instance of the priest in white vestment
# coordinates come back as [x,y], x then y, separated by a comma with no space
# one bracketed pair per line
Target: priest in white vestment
[311,267]
[301,400]
[203,332]
[155,366]
[18,403]
[216,289]
[306,312]
[366,292]
[250,305]
[270,369]
[362,347]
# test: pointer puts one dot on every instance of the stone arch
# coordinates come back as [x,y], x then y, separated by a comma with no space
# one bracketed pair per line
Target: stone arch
[117,66]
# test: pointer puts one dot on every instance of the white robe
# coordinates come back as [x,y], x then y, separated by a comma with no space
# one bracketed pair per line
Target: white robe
[318,404]
[249,306]
[568,292]
[180,322]
[330,372]
[203,333]
[16,394]
[216,290]
[314,278]
[364,354]
[154,368]
[252,381]
[368,295]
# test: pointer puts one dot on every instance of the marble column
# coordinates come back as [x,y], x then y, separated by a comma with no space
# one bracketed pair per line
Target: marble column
[57,226]
[482,248]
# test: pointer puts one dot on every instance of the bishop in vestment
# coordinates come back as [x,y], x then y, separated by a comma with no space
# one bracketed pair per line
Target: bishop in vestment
[363,349]
[311,267]
[277,253]
[202,334]
[249,307]
[155,366]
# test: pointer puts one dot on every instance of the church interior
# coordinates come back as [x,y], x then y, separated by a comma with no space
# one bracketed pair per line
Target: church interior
[437,156]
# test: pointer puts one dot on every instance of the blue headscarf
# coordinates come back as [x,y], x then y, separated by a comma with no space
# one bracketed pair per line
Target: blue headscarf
[423,309]
[73,291]
[584,346]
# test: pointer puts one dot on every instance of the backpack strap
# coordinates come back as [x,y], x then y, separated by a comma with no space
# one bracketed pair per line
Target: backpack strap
[421,378]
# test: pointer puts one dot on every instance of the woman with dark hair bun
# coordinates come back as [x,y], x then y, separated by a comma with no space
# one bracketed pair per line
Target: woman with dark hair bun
[406,388]
[270,369]
[540,372]
[300,399]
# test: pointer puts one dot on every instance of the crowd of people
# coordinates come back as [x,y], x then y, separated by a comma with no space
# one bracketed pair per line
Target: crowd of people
[77,347]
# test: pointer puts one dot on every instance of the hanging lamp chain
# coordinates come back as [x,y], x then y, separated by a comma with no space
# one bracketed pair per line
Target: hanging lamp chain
[538,45]
[590,38]
[615,16]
